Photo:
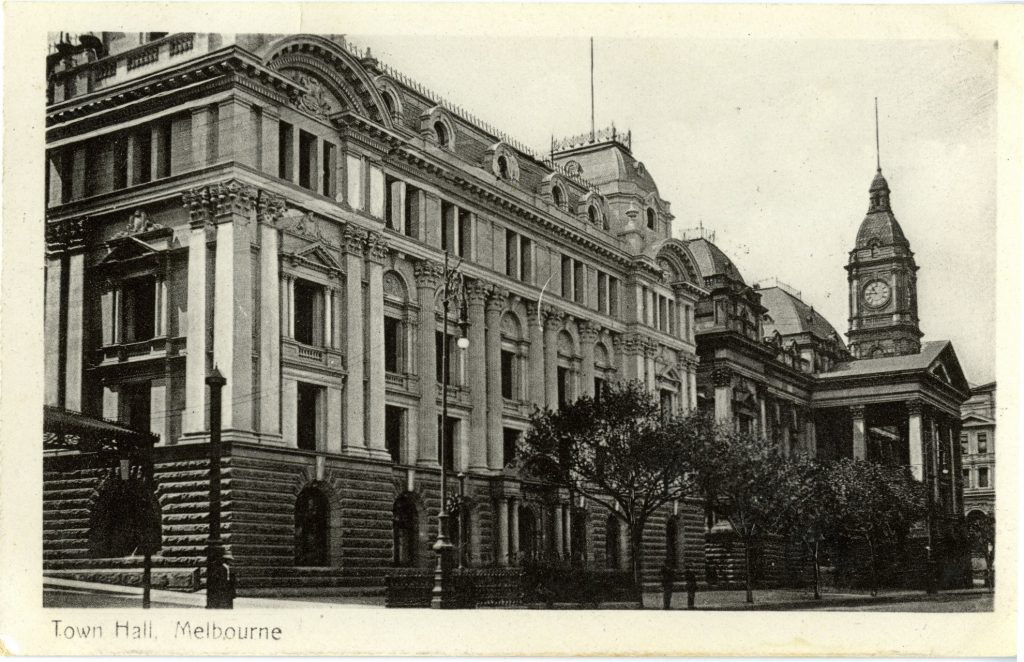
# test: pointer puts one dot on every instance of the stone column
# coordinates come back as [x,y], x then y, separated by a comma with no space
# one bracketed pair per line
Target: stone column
[195,340]
[353,247]
[502,531]
[810,435]
[915,439]
[556,512]
[232,315]
[860,448]
[567,515]
[495,402]
[376,251]
[477,369]
[514,530]
[722,379]
[428,276]
[651,349]
[588,336]
[762,401]
[693,387]
[552,325]
[536,371]
[52,331]
[270,208]
[75,331]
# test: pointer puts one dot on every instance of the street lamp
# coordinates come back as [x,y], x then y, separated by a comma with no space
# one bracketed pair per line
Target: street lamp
[219,589]
[453,292]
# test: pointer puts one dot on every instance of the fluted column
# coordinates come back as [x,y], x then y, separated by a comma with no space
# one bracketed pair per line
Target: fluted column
[536,371]
[514,529]
[859,434]
[195,333]
[495,402]
[428,276]
[353,245]
[269,209]
[502,531]
[552,325]
[915,439]
[588,336]
[477,297]
[376,251]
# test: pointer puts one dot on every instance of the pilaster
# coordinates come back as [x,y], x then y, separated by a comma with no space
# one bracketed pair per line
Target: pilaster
[198,201]
[269,208]
[428,277]
[353,245]
[588,336]
[553,322]
[536,371]
[496,303]
[857,412]
[478,368]
[376,251]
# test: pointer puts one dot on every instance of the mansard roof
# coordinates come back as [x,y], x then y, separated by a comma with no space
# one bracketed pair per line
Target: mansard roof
[790,316]
[712,261]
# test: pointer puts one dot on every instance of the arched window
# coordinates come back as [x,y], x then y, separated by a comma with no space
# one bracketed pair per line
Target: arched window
[312,527]
[389,101]
[527,535]
[650,218]
[503,167]
[592,214]
[405,530]
[612,543]
[441,132]
[557,197]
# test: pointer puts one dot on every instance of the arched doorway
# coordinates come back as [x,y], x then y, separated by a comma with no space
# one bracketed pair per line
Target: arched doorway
[613,543]
[405,531]
[312,528]
[527,535]
[125,520]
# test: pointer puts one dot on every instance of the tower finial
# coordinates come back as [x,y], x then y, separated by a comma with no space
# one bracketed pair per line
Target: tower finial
[592,132]
[878,151]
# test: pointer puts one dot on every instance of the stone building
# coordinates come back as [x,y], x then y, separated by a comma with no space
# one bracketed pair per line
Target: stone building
[978,448]
[281,207]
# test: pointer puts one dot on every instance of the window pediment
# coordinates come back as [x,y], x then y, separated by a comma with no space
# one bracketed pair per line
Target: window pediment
[315,256]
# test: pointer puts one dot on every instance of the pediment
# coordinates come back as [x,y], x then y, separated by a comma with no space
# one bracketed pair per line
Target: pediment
[128,249]
[946,367]
[316,256]
[976,419]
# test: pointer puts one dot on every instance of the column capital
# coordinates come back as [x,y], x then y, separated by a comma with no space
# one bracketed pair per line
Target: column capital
[353,240]
[497,299]
[232,197]
[857,411]
[534,313]
[66,234]
[476,293]
[197,200]
[915,407]
[651,348]
[269,207]
[376,247]
[428,274]
[553,319]
[721,376]
[589,331]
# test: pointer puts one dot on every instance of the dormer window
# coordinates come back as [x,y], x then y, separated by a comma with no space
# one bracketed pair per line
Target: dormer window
[557,197]
[503,167]
[592,214]
[650,218]
[441,133]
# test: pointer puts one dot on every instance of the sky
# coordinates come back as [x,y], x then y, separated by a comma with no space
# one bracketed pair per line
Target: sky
[771,144]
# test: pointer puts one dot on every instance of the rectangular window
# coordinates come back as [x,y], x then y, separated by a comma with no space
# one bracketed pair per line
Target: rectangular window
[511,254]
[665,400]
[964,447]
[285,167]
[309,312]
[452,358]
[598,388]
[138,312]
[354,170]
[579,283]
[448,229]
[66,168]
[508,362]
[135,411]
[967,478]
[163,149]
[412,211]
[144,155]
[327,170]
[983,477]
[120,161]
[982,443]
[613,296]
[390,217]
[447,445]
[602,292]
[567,288]
[525,260]
[392,345]
[465,244]
[511,440]
[376,192]
[563,386]
[307,159]
[394,431]
[307,411]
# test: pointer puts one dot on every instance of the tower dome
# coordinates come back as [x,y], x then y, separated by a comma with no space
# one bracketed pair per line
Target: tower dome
[880,227]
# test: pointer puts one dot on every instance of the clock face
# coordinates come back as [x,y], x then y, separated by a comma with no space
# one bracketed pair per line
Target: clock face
[876,294]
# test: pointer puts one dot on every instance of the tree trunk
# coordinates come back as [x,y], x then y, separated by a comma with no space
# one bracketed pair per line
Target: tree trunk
[817,575]
[874,575]
[747,583]
[636,536]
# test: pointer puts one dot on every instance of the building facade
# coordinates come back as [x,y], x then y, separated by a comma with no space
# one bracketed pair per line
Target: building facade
[282,208]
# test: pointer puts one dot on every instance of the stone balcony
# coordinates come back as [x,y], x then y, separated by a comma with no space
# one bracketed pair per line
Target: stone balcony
[402,382]
[309,356]
[143,350]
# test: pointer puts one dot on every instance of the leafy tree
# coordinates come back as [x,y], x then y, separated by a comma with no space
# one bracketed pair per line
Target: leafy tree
[750,482]
[872,502]
[981,531]
[810,518]
[616,451]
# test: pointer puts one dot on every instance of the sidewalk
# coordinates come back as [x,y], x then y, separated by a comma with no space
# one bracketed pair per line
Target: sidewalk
[803,599]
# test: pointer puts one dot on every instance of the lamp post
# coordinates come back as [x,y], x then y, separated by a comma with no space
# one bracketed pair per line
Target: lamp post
[219,589]
[462,530]
[452,292]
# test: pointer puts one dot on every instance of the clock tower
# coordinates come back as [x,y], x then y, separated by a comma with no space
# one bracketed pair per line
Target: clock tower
[883,283]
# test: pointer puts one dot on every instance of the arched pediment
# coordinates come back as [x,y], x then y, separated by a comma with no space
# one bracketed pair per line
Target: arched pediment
[673,255]
[334,79]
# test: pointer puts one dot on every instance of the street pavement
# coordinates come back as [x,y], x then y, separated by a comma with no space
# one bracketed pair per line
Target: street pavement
[69,593]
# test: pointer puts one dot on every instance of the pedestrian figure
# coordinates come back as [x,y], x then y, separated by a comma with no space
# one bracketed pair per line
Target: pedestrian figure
[691,589]
[668,577]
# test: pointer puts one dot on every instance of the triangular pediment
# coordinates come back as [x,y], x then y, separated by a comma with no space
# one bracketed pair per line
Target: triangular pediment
[977,419]
[315,256]
[128,249]
[946,367]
